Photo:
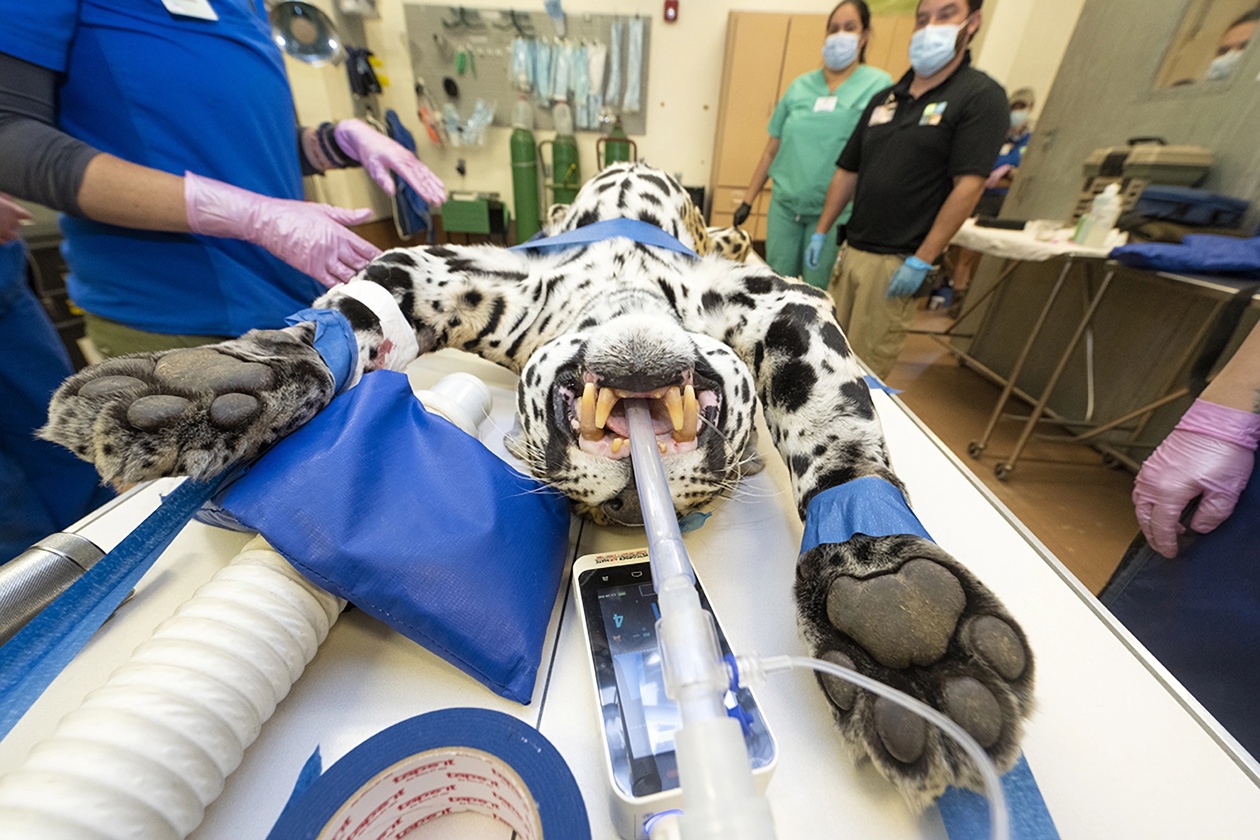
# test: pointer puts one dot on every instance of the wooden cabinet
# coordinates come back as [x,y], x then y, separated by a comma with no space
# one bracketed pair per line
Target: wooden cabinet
[765,51]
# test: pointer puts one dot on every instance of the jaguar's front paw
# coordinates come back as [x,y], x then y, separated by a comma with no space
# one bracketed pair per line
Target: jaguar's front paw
[193,411]
[902,611]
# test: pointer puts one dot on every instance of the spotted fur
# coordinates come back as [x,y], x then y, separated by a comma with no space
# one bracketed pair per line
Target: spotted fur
[635,317]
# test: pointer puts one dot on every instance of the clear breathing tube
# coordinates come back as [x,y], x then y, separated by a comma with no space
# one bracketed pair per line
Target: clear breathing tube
[713,766]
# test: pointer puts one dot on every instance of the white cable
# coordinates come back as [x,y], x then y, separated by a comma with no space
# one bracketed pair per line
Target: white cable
[754,667]
[148,751]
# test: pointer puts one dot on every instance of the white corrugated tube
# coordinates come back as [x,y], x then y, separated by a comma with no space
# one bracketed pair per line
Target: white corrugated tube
[149,750]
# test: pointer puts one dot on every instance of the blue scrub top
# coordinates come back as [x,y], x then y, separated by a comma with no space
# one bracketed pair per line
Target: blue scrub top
[176,94]
[1012,154]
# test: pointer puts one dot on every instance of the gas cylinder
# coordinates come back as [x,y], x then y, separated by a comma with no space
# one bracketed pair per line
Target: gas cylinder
[565,174]
[616,147]
[524,171]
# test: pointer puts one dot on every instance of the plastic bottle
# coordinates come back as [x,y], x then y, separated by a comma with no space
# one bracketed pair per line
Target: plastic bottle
[459,397]
[1103,213]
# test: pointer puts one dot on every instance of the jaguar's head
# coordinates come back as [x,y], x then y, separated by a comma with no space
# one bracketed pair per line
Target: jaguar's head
[572,430]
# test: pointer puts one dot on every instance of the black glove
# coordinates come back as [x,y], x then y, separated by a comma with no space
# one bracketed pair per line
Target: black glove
[741,212]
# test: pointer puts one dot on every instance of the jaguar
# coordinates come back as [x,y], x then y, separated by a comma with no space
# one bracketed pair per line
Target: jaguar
[708,341]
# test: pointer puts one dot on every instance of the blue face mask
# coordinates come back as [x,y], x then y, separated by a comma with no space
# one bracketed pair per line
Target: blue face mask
[932,47]
[840,50]
[1222,67]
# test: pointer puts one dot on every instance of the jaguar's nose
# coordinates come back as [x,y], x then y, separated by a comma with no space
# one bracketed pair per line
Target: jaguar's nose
[624,509]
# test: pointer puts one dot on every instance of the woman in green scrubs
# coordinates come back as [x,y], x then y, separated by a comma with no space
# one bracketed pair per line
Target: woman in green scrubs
[810,126]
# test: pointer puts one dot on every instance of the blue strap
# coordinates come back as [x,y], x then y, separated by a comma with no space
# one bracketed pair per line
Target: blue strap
[875,384]
[643,232]
[33,658]
[876,508]
[966,813]
[869,506]
[334,341]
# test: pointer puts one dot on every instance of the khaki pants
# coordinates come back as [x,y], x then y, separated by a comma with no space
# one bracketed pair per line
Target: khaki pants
[874,324]
[114,339]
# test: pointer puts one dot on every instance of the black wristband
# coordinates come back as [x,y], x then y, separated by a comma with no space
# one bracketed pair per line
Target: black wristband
[328,145]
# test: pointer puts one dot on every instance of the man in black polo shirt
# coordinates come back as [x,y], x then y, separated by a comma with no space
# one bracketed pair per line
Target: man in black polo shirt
[915,168]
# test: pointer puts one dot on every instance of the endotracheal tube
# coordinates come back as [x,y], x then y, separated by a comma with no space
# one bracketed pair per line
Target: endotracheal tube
[713,767]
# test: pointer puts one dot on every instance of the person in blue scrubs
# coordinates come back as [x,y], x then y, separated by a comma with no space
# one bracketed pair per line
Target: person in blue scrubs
[165,132]
[43,488]
[1189,589]
[810,126]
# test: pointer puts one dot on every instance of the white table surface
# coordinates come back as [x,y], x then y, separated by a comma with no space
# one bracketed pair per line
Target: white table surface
[1118,750]
[1021,244]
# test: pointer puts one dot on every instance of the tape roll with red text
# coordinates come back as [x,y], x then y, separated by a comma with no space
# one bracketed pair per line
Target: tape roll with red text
[435,764]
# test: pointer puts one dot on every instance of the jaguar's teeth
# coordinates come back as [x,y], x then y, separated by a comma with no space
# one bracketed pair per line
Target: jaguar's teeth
[674,403]
[617,443]
[586,414]
[604,405]
[660,444]
[690,426]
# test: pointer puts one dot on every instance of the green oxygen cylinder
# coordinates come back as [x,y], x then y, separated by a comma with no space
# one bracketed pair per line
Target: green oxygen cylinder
[524,171]
[565,174]
[618,146]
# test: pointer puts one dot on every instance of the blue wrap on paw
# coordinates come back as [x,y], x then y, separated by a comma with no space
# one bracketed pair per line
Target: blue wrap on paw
[869,506]
[334,341]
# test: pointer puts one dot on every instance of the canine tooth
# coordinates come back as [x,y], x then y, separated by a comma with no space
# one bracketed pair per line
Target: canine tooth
[617,444]
[674,403]
[586,414]
[691,416]
[604,405]
[660,444]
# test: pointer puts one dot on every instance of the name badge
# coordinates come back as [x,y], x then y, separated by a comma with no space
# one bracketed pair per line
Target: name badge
[825,103]
[933,114]
[199,9]
[882,114]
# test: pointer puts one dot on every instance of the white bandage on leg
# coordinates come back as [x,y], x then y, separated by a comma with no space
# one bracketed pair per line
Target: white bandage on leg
[399,346]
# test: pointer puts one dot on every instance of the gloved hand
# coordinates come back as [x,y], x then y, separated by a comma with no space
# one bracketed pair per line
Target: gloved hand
[741,213]
[814,249]
[907,279]
[996,175]
[380,156]
[310,237]
[11,216]
[1210,453]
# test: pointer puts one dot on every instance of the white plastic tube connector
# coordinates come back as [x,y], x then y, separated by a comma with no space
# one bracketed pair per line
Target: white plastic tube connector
[149,750]
[720,799]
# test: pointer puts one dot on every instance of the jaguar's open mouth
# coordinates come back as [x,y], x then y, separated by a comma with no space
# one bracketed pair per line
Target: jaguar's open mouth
[681,413]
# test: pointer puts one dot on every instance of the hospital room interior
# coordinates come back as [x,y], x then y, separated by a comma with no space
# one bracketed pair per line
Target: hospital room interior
[234,232]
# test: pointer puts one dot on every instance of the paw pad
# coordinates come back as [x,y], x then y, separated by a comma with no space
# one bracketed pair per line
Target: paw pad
[973,707]
[841,692]
[108,386]
[154,411]
[998,645]
[902,732]
[903,618]
[205,369]
[231,411]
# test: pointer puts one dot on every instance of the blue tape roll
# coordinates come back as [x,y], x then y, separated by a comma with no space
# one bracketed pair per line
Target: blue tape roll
[438,763]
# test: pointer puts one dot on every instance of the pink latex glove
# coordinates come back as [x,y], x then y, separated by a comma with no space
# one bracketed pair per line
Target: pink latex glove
[1210,453]
[380,156]
[310,237]
[12,215]
[996,175]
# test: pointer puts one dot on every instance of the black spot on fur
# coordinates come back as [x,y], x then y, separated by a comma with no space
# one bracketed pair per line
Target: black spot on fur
[358,314]
[398,258]
[441,252]
[710,300]
[472,297]
[660,182]
[787,334]
[589,217]
[860,397]
[792,384]
[668,291]
[799,463]
[760,284]
[834,339]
